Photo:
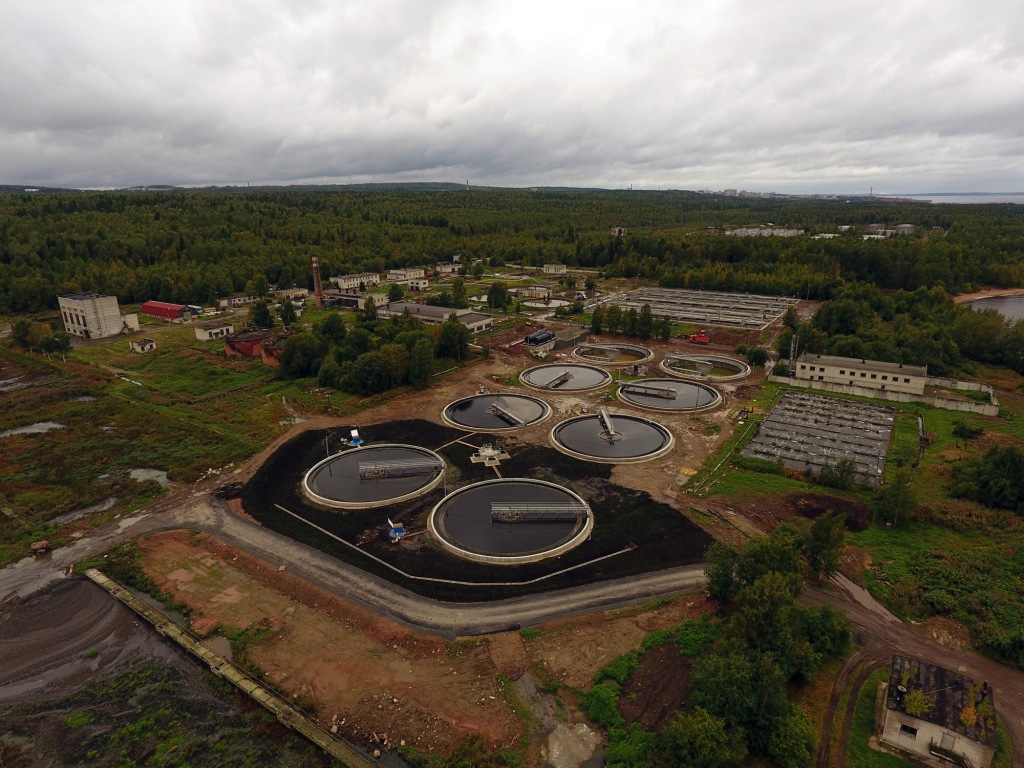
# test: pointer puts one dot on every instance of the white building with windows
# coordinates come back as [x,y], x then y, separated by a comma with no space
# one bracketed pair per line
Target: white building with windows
[213,329]
[93,316]
[873,374]
[554,269]
[352,282]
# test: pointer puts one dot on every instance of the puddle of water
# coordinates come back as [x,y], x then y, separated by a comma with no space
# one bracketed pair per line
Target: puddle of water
[32,429]
[150,474]
[74,514]
[219,645]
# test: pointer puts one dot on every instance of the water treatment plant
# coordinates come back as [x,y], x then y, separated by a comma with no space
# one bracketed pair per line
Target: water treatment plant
[495,413]
[670,395]
[373,476]
[609,438]
[510,522]
[613,354]
[565,377]
[705,366]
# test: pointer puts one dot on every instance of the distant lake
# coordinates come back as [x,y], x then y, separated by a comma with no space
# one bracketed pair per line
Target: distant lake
[968,199]
[1008,306]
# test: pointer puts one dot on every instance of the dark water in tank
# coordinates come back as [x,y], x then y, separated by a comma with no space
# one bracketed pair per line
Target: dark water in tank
[688,396]
[583,377]
[465,520]
[339,480]
[472,411]
[636,438]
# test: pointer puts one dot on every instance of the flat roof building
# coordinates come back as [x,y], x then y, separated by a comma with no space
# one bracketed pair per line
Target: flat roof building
[213,329]
[874,374]
[353,282]
[92,315]
[475,321]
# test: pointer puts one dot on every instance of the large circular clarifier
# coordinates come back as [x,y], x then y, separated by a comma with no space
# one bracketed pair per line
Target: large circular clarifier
[568,377]
[669,395]
[711,367]
[373,476]
[510,522]
[611,438]
[496,413]
[613,354]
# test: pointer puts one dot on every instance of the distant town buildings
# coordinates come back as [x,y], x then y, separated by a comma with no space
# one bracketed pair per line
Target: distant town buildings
[353,282]
[239,300]
[476,322]
[764,232]
[94,316]
[873,374]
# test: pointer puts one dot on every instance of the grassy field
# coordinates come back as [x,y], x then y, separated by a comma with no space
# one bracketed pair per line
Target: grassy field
[192,411]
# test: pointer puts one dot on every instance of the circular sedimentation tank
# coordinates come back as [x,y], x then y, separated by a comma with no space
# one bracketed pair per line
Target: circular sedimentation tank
[670,395]
[495,413]
[705,367]
[613,354]
[373,476]
[510,521]
[627,438]
[565,377]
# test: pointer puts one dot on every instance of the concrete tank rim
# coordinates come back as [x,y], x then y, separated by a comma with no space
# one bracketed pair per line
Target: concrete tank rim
[598,460]
[452,423]
[648,353]
[590,366]
[744,368]
[534,557]
[701,409]
[336,504]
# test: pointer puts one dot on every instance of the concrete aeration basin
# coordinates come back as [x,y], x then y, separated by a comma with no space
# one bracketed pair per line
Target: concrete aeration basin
[373,476]
[568,377]
[611,438]
[510,522]
[495,413]
[669,395]
[613,354]
[710,367]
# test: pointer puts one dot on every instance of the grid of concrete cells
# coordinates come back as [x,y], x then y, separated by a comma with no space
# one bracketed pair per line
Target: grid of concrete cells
[806,431]
[738,310]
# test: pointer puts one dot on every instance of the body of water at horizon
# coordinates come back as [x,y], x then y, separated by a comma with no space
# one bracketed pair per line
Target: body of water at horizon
[1011,307]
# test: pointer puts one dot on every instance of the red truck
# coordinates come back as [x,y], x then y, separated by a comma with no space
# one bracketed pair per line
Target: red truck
[700,337]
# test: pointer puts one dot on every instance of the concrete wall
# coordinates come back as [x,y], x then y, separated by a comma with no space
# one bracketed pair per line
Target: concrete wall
[945,403]
[979,754]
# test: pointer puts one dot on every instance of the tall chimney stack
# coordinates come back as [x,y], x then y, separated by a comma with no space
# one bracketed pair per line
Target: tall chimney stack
[318,289]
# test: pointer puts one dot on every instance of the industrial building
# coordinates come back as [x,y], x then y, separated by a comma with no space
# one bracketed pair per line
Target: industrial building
[246,343]
[475,321]
[357,282]
[873,374]
[405,274]
[735,310]
[165,311]
[292,294]
[554,269]
[238,300]
[94,316]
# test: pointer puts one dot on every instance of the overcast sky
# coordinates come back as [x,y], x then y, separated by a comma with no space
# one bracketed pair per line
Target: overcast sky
[783,95]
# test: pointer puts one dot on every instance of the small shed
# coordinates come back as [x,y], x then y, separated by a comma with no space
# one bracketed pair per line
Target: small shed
[213,329]
[142,345]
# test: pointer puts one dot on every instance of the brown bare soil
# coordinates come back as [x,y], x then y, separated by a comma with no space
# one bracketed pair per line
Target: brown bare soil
[381,683]
[657,689]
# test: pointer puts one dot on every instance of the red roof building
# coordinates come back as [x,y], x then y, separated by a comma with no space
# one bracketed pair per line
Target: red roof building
[163,310]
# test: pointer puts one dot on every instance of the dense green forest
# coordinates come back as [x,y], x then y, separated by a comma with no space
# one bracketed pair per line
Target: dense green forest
[192,247]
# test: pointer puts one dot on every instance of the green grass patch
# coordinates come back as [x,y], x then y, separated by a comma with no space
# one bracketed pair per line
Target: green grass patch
[858,753]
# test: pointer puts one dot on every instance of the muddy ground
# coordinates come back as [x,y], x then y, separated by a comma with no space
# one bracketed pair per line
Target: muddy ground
[84,683]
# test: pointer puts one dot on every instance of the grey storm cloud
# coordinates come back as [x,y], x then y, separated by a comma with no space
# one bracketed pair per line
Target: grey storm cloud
[791,95]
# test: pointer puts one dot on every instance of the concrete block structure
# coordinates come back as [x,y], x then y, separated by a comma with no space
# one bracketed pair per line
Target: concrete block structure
[239,300]
[93,316]
[446,268]
[142,345]
[292,294]
[874,374]
[554,269]
[246,343]
[213,329]
[953,721]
